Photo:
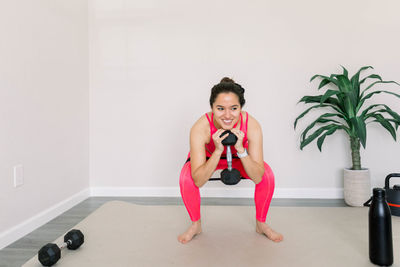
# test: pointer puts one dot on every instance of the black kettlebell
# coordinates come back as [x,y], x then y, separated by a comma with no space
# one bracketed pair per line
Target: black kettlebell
[393,195]
[229,176]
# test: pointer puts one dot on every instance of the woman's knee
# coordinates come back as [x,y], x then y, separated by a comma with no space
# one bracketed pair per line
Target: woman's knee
[185,172]
[268,174]
[186,176]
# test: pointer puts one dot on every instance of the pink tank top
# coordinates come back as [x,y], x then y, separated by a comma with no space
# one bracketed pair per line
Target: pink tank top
[210,147]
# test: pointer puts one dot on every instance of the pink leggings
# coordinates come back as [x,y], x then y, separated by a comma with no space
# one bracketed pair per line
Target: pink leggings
[262,195]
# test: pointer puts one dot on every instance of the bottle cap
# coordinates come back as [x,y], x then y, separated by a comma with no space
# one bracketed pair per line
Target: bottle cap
[379,192]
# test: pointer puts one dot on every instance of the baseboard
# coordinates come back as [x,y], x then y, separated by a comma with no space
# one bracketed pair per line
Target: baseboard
[13,234]
[225,192]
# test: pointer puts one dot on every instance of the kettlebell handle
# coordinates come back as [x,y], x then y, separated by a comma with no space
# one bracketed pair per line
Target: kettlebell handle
[388,177]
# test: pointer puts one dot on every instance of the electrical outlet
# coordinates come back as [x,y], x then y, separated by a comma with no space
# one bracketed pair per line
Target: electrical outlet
[18,175]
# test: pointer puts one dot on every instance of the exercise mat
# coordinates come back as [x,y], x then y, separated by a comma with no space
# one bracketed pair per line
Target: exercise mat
[125,234]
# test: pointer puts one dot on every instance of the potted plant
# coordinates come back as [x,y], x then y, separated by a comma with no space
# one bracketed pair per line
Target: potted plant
[347,110]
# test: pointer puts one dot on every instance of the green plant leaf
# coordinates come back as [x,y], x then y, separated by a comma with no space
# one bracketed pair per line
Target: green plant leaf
[344,83]
[333,102]
[323,83]
[331,80]
[365,111]
[377,82]
[392,113]
[395,116]
[361,130]
[355,76]
[321,119]
[355,83]
[306,111]
[317,99]
[349,107]
[386,124]
[321,139]
[328,94]
[373,113]
[324,118]
[310,99]
[396,123]
[349,99]
[345,72]
[372,76]
[373,93]
[314,135]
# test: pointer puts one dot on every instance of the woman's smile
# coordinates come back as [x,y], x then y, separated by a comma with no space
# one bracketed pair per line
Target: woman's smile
[227,122]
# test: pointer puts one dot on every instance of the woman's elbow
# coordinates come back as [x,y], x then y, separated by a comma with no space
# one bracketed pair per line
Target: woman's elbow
[196,181]
[257,180]
[260,175]
[197,184]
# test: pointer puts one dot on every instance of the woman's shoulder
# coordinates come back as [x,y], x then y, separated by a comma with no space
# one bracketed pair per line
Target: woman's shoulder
[252,123]
[201,126]
[203,120]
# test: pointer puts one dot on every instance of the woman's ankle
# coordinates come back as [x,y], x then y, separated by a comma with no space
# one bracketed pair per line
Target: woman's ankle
[198,222]
[260,222]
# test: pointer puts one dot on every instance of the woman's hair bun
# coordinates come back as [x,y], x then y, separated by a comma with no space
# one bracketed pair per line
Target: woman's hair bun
[227,80]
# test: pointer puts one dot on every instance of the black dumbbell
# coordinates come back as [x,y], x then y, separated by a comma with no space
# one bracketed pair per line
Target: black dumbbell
[49,254]
[229,176]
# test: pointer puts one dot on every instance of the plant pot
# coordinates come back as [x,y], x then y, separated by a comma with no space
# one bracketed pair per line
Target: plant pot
[357,187]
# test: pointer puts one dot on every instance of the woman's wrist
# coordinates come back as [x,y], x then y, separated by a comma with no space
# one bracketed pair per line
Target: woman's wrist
[243,154]
[241,150]
[218,152]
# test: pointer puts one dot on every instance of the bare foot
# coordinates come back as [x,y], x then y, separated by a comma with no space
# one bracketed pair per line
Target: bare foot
[263,228]
[193,230]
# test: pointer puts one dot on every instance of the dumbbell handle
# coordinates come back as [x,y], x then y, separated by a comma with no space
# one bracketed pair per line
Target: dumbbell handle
[69,242]
[229,157]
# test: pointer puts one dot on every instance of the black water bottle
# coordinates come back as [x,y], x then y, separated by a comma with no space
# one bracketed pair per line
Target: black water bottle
[380,230]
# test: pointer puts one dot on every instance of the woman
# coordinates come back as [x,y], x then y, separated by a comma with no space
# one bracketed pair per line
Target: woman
[207,153]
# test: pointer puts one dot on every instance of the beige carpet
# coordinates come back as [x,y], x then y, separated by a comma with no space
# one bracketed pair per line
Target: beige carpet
[124,234]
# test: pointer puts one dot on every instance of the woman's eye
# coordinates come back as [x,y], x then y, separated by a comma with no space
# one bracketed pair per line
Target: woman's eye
[220,109]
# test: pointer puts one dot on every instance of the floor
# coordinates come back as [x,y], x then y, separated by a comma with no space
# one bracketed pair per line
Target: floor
[25,248]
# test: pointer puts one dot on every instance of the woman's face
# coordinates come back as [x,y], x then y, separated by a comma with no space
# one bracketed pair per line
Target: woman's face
[226,109]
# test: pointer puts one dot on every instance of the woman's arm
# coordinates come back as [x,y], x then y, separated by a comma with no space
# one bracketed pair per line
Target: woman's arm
[254,163]
[201,168]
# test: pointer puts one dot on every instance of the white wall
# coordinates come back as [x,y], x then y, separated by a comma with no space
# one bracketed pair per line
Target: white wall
[152,64]
[43,109]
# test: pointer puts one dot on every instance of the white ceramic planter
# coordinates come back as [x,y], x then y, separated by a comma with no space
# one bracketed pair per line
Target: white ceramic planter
[357,187]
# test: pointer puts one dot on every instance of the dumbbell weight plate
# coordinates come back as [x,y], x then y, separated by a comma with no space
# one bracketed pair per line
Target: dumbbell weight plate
[76,238]
[230,177]
[49,254]
[230,140]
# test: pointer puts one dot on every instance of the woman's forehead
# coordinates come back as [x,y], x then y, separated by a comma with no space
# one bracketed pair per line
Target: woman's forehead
[227,98]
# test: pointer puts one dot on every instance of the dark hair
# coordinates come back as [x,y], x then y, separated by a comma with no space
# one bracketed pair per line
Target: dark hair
[227,85]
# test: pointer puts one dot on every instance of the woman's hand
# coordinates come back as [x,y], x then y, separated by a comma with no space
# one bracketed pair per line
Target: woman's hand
[218,140]
[239,144]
